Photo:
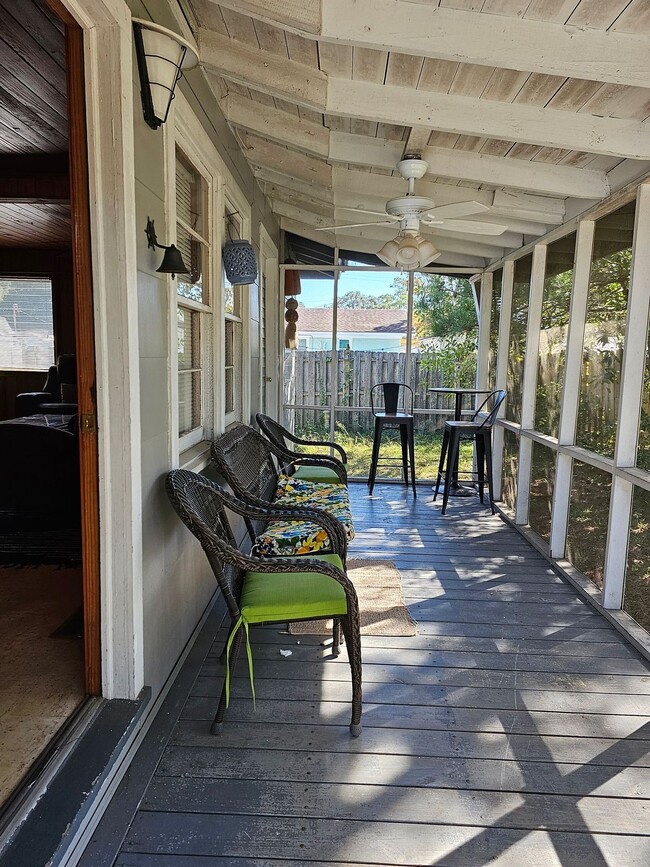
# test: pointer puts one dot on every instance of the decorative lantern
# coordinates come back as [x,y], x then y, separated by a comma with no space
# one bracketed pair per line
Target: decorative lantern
[240,262]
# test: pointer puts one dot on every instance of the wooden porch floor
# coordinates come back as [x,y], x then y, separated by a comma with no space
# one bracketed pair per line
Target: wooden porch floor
[514,729]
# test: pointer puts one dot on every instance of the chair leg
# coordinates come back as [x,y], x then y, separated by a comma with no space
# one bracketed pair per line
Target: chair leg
[336,637]
[487,443]
[441,462]
[403,436]
[480,465]
[375,456]
[451,463]
[221,709]
[350,625]
[411,445]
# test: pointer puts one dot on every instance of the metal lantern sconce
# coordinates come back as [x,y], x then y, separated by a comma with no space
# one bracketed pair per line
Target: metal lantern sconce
[239,259]
[162,55]
[172,262]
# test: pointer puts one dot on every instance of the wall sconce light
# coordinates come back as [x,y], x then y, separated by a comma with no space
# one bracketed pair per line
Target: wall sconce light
[172,262]
[161,55]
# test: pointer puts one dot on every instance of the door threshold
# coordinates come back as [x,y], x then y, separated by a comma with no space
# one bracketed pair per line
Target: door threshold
[46,811]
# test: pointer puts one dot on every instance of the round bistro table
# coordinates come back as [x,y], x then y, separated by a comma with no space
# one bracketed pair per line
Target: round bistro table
[456,489]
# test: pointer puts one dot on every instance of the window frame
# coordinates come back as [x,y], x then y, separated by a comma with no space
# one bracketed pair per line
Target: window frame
[233,202]
[204,310]
[51,278]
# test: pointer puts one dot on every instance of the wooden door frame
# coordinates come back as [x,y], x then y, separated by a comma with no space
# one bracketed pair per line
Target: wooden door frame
[102,175]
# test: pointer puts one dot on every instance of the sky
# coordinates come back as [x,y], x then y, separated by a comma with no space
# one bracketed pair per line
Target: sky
[319,293]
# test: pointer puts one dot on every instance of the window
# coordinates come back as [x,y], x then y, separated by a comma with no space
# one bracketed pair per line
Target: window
[232,298]
[556,302]
[495,312]
[602,359]
[194,319]
[517,338]
[26,323]
[344,344]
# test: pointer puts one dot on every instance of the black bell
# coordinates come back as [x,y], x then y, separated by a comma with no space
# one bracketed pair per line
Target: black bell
[172,262]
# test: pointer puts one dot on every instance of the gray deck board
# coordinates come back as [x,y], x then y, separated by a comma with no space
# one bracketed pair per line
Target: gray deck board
[513,729]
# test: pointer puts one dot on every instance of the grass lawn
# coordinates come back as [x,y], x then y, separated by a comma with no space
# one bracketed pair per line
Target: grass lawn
[427,454]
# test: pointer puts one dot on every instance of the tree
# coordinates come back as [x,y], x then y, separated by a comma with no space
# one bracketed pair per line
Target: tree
[443,307]
[355,300]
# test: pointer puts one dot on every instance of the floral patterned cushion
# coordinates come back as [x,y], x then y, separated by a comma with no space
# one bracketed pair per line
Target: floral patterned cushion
[284,538]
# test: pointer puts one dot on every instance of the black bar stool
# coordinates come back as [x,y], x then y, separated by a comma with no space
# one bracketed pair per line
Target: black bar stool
[478,429]
[391,419]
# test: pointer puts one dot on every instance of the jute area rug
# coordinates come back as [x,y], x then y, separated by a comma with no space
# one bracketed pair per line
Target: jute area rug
[381,603]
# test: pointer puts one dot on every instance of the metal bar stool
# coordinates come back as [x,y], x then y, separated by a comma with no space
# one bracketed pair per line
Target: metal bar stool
[478,429]
[390,418]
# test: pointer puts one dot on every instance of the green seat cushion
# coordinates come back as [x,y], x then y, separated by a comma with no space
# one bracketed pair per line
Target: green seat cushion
[269,597]
[316,474]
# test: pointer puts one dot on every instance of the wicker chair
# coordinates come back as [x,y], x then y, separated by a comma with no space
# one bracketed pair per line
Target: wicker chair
[249,461]
[312,588]
[330,469]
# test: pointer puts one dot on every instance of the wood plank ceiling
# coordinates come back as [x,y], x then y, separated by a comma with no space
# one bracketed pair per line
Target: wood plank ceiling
[533,108]
[33,127]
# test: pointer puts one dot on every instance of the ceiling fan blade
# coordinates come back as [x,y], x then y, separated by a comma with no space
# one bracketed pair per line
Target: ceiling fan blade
[365,211]
[459,209]
[351,226]
[473,227]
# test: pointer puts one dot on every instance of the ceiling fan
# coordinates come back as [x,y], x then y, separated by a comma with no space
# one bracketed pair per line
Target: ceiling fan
[409,249]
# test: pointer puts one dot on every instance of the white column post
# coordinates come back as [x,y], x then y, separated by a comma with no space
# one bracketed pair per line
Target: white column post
[502,369]
[529,383]
[629,408]
[335,352]
[571,388]
[484,330]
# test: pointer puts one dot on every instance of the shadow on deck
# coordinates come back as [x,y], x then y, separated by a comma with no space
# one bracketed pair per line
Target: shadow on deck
[513,729]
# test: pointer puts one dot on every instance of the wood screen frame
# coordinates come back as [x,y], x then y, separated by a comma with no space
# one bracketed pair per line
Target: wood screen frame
[85,343]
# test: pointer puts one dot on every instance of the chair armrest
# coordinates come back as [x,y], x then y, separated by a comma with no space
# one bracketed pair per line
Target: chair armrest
[325,443]
[29,402]
[259,510]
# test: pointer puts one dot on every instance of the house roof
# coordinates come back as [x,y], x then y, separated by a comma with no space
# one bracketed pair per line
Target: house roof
[378,321]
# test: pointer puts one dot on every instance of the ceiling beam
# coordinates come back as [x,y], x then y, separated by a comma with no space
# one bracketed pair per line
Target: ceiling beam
[296,185]
[278,126]
[36,190]
[481,117]
[465,36]
[262,70]
[260,152]
[543,178]
[516,122]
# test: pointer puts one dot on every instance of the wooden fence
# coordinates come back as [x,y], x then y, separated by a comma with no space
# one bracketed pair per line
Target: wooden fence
[308,383]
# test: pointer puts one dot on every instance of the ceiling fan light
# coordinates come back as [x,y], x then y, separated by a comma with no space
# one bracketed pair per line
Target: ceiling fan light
[408,252]
[388,252]
[428,253]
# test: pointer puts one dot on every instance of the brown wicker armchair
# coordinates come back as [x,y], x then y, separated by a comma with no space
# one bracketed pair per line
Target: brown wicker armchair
[328,467]
[311,587]
[249,462]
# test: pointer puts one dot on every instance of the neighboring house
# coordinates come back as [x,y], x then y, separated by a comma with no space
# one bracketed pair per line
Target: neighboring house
[377,330]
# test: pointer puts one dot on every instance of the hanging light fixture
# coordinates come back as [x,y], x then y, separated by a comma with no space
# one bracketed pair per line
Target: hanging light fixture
[172,262]
[161,56]
[408,251]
